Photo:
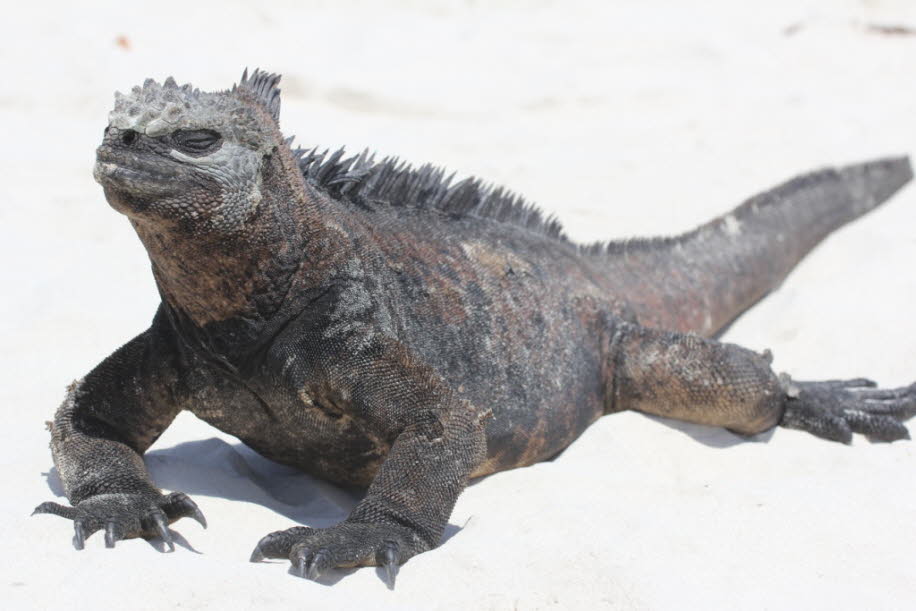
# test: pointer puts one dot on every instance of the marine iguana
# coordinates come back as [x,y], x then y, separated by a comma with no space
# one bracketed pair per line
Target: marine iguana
[384,326]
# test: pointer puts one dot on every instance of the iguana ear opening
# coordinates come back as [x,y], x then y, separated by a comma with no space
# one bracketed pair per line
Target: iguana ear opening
[263,89]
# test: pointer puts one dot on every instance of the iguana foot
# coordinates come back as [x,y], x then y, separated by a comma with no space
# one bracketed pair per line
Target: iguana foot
[838,408]
[124,516]
[312,551]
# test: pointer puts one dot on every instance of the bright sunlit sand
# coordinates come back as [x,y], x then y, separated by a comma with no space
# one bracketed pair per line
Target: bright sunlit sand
[622,118]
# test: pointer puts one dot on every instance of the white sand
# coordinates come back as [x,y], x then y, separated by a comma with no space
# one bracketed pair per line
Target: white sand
[623,118]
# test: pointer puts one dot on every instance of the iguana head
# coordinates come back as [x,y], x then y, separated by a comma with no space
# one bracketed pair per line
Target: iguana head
[174,154]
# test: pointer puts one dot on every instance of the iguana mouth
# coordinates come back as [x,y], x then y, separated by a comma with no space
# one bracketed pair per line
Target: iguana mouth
[131,173]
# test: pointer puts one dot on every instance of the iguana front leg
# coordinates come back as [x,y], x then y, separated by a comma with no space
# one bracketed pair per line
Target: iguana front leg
[438,441]
[106,422]
[699,380]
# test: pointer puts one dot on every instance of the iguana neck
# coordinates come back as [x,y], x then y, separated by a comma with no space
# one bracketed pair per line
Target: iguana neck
[211,278]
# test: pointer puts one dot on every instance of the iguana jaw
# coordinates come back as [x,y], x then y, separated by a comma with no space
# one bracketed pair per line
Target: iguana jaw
[120,178]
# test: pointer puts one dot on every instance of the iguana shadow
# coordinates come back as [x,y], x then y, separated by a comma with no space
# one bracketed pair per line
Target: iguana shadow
[711,436]
[217,468]
[232,471]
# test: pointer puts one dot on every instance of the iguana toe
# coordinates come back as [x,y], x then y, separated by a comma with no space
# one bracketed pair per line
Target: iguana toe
[314,551]
[277,544]
[126,516]
[55,509]
[836,409]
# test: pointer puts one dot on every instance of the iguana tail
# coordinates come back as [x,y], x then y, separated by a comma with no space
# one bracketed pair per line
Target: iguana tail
[701,280]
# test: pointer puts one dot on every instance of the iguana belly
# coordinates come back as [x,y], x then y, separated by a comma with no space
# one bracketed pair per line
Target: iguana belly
[308,434]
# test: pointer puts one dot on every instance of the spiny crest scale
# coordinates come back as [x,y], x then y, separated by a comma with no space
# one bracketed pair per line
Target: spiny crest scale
[157,109]
[365,182]
[263,86]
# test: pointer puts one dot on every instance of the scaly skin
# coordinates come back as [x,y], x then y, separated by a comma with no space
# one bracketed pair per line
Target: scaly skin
[374,325]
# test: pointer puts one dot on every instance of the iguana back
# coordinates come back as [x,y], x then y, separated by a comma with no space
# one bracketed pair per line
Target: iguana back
[514,315]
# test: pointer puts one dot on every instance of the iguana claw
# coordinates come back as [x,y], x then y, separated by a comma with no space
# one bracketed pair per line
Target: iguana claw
[111,533]
[162,527]
[388,558]
[79,534]
[319,563]
[300,562]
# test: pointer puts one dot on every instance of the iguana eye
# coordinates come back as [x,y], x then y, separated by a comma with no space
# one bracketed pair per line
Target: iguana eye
[196,140]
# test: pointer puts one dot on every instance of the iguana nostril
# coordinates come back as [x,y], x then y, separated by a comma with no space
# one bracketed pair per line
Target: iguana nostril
[129,137]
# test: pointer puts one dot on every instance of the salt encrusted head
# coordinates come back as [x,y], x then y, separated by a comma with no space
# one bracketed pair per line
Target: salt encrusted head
[177,153]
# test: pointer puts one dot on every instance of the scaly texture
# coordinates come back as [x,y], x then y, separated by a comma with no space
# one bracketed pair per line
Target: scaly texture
[383,326]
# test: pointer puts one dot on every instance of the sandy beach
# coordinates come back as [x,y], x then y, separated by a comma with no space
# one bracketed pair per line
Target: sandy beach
[622,119]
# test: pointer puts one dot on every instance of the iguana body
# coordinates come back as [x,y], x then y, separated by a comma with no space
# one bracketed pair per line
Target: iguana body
[372,325]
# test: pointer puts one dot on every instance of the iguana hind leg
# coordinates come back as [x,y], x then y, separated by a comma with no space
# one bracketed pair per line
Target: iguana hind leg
[690,378]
